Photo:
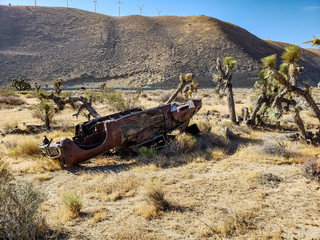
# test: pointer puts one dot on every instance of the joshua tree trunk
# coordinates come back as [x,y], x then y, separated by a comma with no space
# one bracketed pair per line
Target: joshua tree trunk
[47,121]
[256,109]
[231,106]
[300,125]
[224,78]
[175,94]
[304,93]
[307,96]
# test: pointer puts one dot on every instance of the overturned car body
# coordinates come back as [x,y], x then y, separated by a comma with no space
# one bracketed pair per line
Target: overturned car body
[125,130]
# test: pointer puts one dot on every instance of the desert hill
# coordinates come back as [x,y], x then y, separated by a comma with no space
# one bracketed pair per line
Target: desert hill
[84,48]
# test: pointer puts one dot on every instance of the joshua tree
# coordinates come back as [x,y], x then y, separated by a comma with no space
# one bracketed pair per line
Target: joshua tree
[287,76]
[314,42]
[45,112]
[20,84]
[37,87]
[58,86]
[223,79]
[186,85]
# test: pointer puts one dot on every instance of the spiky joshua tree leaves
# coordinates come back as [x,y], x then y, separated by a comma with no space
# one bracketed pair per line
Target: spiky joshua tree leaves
[44,111]
[187,85]
[58,86]
[223,79]
[288,75]
[314,42]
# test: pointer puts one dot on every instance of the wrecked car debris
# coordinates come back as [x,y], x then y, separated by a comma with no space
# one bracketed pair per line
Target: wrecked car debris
[127,130]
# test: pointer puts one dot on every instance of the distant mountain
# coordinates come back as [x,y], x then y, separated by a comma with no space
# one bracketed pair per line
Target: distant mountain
[86,49]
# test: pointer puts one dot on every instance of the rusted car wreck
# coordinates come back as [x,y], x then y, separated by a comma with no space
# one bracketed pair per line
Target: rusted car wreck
[127,130]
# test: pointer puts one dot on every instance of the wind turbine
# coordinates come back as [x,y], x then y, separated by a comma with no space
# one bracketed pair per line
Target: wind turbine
[140,9]
[35,3]
[119,3]
[67,3]
[159,11]
[95,5]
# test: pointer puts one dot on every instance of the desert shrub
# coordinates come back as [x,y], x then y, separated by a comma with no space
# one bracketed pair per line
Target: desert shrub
[39,111]
[147,152]
[25,148]
[186,142]
[155,196]
[276,147]
[73,202]
[155,202]
[94,95]
[311,169]
[13,100]
[5,92]
[19,204]
[164,98]
[5,174]
[120,101]
[204,126]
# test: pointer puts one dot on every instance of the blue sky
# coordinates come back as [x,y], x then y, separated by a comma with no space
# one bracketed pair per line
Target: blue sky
[291,21]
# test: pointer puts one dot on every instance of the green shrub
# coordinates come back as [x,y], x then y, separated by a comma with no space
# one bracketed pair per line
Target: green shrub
[147,152]
[119,101]
[73,202]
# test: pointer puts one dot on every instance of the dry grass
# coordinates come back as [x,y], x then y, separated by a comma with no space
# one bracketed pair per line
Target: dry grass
[98,214]
[221,194]
[112,187]
[272,152]
[43,177]
[25,148]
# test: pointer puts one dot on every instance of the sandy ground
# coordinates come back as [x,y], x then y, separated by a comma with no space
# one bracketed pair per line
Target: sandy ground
[240,194]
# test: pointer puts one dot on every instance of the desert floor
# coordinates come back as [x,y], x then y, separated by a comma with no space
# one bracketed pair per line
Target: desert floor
[251,187]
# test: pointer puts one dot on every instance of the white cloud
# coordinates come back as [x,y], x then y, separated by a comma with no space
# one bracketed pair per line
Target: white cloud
[311,8]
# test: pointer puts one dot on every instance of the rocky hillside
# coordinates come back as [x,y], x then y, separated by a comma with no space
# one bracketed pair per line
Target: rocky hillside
[85,49]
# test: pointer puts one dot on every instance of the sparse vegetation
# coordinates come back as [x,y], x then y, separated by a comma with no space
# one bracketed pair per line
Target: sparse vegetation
[19,204]
[13,100]
[73,202]
[147,152]
[202,174]
[119,101]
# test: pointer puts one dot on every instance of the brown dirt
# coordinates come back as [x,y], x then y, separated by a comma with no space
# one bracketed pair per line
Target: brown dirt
[87,49]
